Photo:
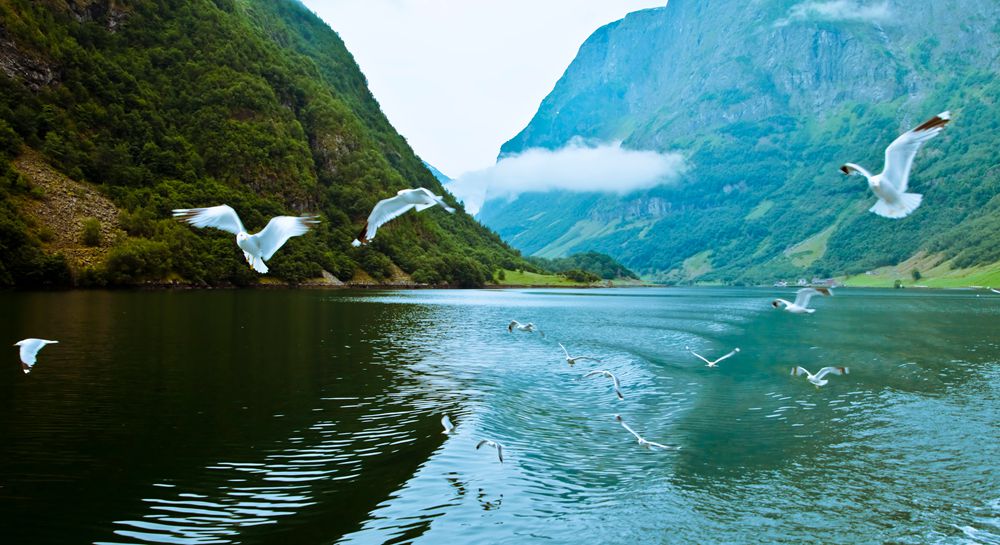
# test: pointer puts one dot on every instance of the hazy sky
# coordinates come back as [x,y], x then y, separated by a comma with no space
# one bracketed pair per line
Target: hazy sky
[458,78]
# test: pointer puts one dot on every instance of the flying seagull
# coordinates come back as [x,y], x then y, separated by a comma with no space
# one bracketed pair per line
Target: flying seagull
[527,328]
[890,186]
[493,444]
[817,379]
[448,426]
[614,380]
[389,209]
[256,248]
[993,290]
[802,298]
[571,360]
[642,442]
[29,349]
[715,362]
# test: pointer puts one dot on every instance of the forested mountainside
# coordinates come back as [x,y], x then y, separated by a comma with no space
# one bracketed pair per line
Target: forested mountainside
[766,99]
[114,112]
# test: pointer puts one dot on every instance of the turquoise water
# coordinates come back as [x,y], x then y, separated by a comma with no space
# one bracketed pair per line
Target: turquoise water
[313,417]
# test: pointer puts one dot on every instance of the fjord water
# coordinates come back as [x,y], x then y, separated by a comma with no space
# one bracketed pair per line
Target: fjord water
[313,417]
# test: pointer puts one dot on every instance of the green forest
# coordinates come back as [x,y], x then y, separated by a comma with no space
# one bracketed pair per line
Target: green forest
[163,104]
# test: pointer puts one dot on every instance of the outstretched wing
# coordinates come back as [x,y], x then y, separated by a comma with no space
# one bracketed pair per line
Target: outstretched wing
[481,443]
[446,422]
[630,430]
[831,370]
[729,355]
[512,325]
[434,200]
[804,295]
[899,155]
[29,350]
[221,217]
[796,371]
[385,211]
[661,447]
[500,452]
[279,230]
[564,350]
[593,373]
[700,357]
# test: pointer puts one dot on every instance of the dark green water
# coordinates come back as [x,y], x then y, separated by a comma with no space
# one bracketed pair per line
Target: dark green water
[313,417]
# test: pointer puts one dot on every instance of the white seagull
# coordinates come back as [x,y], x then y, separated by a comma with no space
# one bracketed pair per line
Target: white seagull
[642,442]
[802,298]
[256,248]
[890,186]
[29,349]
[572,361]
[817,379]
[493,444]
[389,209]
[527,328]
[610,375]
[712,363]
[448,426]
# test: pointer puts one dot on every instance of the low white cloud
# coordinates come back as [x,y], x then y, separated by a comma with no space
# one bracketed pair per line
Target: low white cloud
[837,10]
[604,168]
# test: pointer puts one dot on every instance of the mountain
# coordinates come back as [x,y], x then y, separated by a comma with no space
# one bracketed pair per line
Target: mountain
[113,112]
[441,177]
[766,100]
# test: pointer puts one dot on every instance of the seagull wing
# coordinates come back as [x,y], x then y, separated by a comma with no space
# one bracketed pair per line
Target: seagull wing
[279,230]
[385,211]
[804,295]
[592,373]
[433,199]
[796,371]
[29,350]
[630,430]
[221,217]
[481,443]
[831,370]
[618,386]
[700,357]
[446,422]
[729,355]
[659,446]
[899,155]
[564,350]
[500,452]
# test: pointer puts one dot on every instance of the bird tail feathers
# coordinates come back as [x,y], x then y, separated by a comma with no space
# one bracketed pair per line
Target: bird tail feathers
[908,202]
[259,266]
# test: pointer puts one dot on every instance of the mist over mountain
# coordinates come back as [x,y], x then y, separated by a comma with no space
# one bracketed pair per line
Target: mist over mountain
[764,100]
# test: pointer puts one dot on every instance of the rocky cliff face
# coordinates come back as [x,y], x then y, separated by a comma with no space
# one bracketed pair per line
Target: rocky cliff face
[765,98]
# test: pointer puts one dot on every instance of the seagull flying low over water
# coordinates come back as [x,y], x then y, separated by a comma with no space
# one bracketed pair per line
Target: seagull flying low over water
[448,426]
[715,362]
[493,444]
[527,328]
[890,186]
[389,209]
[802,297]
[256,248]
[571,360]
[29,349]
[642,442]
[610,375]
[817,379]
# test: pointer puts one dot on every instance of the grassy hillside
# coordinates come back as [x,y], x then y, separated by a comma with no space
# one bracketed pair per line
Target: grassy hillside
[161,104]
[766,109]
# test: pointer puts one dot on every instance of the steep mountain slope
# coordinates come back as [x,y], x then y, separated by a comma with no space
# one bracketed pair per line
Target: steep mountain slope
[766,99]
[179,103]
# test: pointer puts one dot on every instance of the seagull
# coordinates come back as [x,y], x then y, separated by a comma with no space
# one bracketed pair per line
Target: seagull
[614,379]
[256,248]
[642,442]
[29,349]
[802,297]
[712,363]
[571,360]
[389,209]
[817,379]
[890,186]
[528,327]
[993,290]
[493,444]
[448,426]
